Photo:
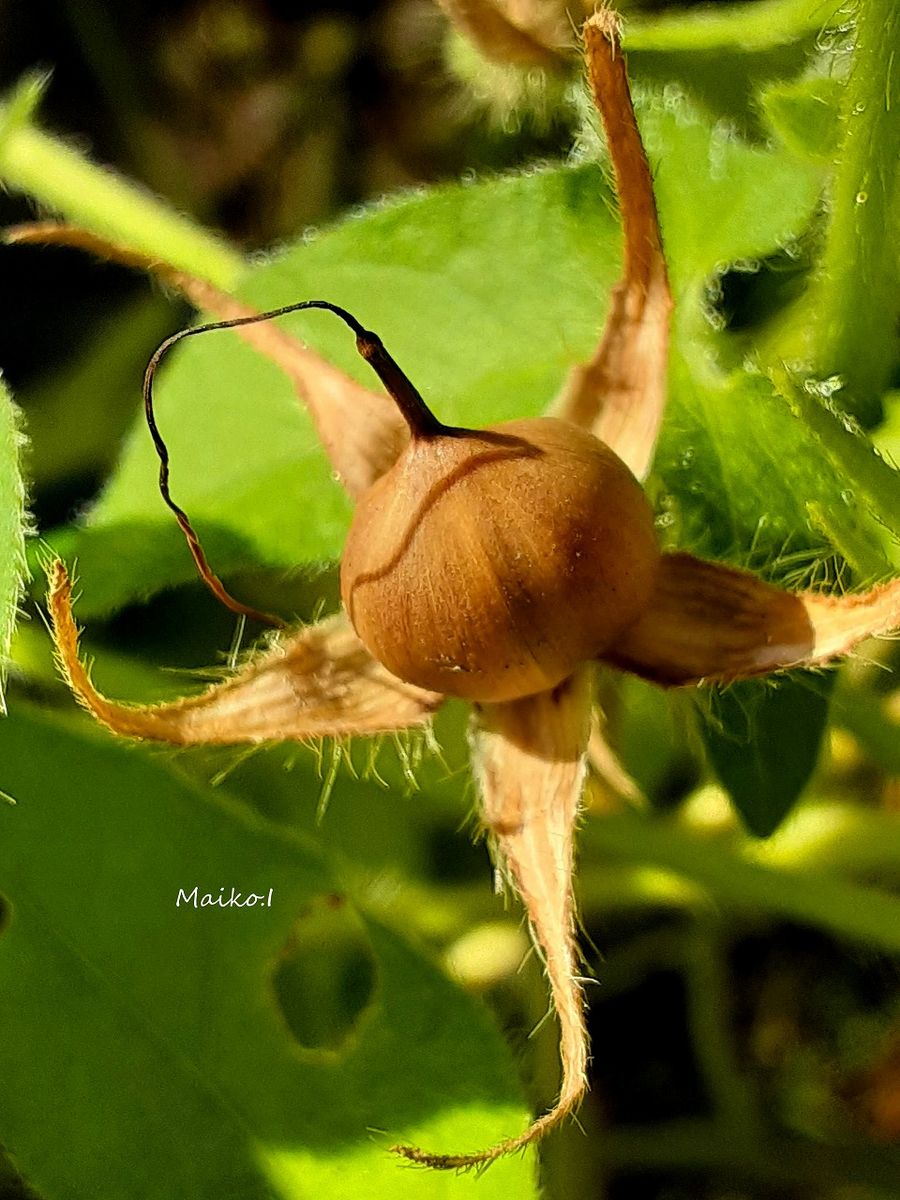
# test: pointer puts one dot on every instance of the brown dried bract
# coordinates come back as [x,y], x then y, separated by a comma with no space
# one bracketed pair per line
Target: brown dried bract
[709,623]
[620,393]
[529,758]
[318,682]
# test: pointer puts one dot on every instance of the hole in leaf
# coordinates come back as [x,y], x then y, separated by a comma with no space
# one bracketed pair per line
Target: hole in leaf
[324,978]
[749,294]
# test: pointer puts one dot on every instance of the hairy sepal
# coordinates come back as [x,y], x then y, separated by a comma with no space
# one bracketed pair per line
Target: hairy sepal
[318,681]
[529,757]
[711,623]
[620,393]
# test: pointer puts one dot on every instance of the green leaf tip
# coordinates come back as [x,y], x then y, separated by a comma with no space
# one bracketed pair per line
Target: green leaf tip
[763,742]
[103,202]
[20,104]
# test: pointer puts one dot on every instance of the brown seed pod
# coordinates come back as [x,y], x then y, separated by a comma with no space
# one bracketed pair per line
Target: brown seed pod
[488,564]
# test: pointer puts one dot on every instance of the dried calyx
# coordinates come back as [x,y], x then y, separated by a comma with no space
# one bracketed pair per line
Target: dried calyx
[485,564]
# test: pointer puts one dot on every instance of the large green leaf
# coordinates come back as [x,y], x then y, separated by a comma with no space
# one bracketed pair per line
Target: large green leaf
[143,1051]
[12,526]
[482,347]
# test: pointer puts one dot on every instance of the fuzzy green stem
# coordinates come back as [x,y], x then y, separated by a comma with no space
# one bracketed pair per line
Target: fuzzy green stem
[64,180]
[856,292]
[13,525]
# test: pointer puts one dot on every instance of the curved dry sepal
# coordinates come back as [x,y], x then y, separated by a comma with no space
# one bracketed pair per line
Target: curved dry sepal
[606,766]
[361,431]
[533,36]
[317,682]
[620,393]
[529,759]
[712,623]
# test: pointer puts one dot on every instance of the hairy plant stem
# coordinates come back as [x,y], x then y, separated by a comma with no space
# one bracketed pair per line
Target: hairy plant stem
[13,526]
[63,179]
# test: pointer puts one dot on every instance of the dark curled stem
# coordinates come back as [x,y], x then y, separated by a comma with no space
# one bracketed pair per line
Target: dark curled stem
[209,577]
[419,418]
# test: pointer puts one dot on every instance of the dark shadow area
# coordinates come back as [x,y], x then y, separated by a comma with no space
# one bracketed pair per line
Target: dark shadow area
[645,1067]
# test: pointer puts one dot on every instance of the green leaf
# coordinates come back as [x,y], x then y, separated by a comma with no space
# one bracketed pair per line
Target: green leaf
[156,1042]
[721,199]
[846,324]
[731,495]
[876,482]
[804,115]
[78,413]
[721,54]
[761,25]
[12,527]
[887,437]
[763,740]
[485,293]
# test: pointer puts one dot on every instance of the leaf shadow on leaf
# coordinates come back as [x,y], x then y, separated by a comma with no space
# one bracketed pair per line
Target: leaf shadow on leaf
[111,560]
